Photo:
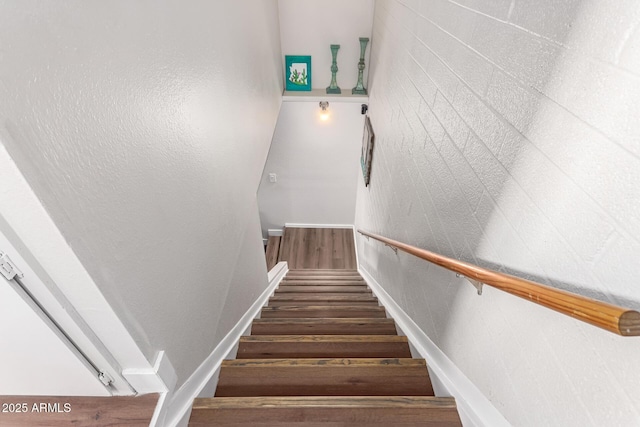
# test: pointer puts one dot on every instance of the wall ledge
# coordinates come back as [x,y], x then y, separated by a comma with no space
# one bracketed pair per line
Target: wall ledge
[317,95]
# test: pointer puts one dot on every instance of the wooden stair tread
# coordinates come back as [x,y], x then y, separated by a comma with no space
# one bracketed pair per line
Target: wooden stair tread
[322,311]
[338,326]
[298,302]
[324,377]
[323,338]
[324,288]
[377,308]
[324,282]
[305,296]
[324,278]
[369,294]
[322,271]
[341,363]
[325,401]
[312,411]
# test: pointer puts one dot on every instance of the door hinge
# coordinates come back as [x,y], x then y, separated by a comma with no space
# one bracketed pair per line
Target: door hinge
[105,379]
[8,268]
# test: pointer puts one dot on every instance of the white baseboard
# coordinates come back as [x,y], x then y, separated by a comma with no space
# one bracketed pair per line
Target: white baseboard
[297,225]
[181,401]
[474,408]
[275,232]
[355,245]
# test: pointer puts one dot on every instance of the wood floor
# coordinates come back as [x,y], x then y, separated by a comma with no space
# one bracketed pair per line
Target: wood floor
[53,411]
[323,353]
[273,249]
[318,248]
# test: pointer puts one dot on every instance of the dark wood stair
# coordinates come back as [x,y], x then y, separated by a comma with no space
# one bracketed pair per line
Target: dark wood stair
[360,411]
[300,298]
[324,377]
[322,311]
[345,326]
[322,346]
[323,353]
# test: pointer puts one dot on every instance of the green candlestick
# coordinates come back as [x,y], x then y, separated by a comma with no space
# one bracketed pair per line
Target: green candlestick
[359,89]
[333,87]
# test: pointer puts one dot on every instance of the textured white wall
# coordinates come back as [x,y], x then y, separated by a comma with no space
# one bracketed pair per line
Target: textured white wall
[143,128]
[317,164]
[309,27]
[507,135]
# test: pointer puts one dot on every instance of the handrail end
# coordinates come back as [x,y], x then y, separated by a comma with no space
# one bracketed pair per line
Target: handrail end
[629,324]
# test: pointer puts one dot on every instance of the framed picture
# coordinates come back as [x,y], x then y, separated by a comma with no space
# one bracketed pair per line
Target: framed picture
[298,72]
[367,150]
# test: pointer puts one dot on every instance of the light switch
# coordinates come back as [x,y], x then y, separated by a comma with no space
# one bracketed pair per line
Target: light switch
[273,177]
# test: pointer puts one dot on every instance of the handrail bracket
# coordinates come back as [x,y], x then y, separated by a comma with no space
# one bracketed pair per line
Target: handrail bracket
[393,248]
[476,283]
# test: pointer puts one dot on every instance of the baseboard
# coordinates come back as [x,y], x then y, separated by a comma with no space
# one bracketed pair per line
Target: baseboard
[355,244]
[297,225]
[275,232]
[182,399]
[474,408]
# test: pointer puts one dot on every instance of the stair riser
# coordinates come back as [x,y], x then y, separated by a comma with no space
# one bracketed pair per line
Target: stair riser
[310,313]
[304,297]
[278,350]
[324,288]
[324,278]
[275,304]
[325,327]
[319,295]
[324,282]
[312,271]
[324,381]
[323,417]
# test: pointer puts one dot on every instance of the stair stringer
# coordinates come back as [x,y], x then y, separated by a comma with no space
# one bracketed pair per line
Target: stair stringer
[473,406]
[179,408]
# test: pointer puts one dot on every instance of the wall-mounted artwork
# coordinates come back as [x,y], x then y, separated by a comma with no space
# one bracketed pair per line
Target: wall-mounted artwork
[298,72]
[367,150]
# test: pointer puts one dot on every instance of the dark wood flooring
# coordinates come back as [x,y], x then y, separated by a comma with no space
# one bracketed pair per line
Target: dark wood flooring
[273,248]
[318,248]
[53,411]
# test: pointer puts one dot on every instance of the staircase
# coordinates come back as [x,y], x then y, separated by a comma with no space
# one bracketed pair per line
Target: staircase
[323,353]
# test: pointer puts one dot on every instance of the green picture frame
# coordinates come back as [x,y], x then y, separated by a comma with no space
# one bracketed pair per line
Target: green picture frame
[297,72]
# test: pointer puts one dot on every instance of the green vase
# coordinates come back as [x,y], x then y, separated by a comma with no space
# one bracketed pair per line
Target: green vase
[360,89]
[333,87]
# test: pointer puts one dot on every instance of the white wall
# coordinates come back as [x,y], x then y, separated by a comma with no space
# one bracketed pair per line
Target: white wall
[24,333]
[317,164]
[143,129]
[507,135]
[309,27]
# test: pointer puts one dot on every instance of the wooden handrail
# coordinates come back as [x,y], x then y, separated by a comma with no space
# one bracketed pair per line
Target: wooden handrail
[615,319]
